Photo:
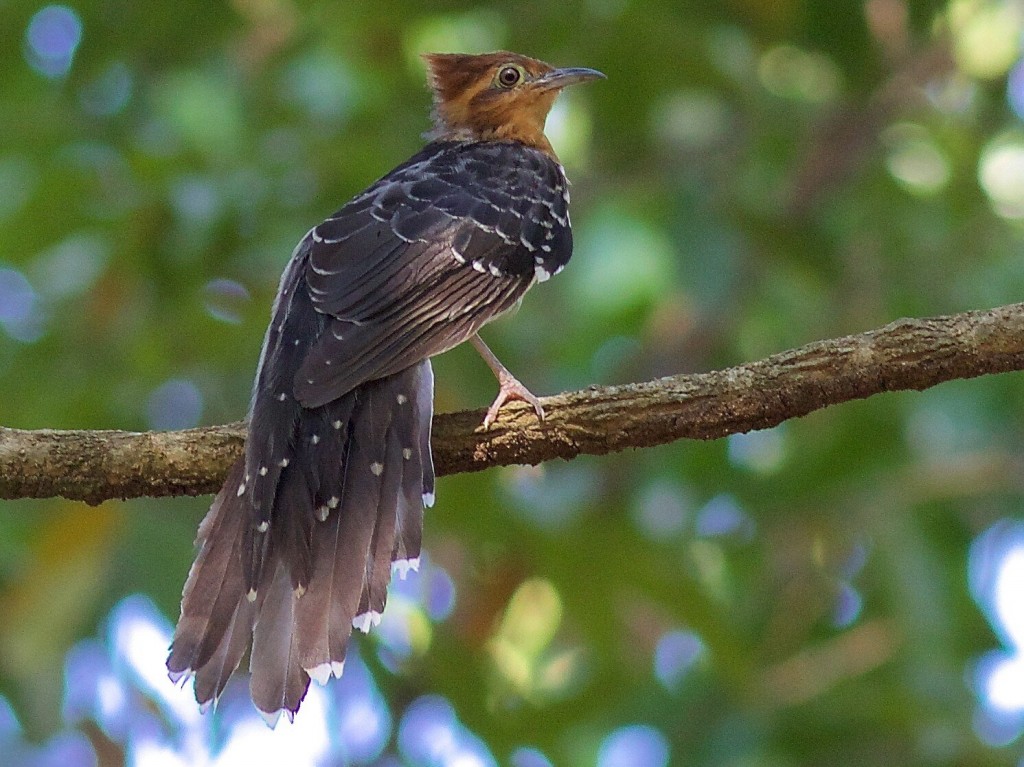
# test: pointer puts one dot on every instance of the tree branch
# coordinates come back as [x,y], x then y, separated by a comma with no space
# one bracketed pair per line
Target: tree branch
[94,466]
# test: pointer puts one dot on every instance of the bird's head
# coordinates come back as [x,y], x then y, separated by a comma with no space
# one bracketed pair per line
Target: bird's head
[496,96]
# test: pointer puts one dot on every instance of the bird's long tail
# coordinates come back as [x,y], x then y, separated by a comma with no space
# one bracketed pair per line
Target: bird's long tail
[346,506]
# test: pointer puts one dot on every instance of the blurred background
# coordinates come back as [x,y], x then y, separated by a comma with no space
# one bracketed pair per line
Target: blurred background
[847,588]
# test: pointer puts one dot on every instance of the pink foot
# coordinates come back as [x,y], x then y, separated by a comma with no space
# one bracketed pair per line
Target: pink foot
[511,389]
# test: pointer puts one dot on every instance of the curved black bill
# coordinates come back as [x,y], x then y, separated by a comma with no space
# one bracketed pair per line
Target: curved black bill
[559,78]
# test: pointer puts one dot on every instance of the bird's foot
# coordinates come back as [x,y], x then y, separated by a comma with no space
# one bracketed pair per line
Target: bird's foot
[511,389]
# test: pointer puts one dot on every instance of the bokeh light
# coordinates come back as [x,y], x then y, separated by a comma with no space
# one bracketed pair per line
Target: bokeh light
[20,312]
[109,92]
[529,757]
[431,735]
[175,404]
[676,653]
[1001,174]
[690,120]
[723,516]
[996,570]
[800,75]
[51,40]
[986,35]
[763,451]
[662,510]
[915,160]
[550,496]
[637,745]
[225,299]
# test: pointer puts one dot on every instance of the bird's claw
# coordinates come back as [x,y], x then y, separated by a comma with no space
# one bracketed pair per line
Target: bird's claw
[512,389]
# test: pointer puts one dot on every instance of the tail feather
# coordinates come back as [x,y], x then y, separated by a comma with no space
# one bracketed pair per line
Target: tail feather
[418,475]
[212,677]
[278,682]
[214,582]
[291,529]
[424,407]
[377,573]
[325,612]
[335,441]
[347,503]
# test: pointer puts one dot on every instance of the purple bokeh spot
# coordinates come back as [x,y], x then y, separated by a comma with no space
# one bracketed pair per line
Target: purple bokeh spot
[675,654]
[439,596]
[722,516]
[848,606]
[529,757]
[51,39]
[176,404]
[1015,89]
[637,745]
[431,735]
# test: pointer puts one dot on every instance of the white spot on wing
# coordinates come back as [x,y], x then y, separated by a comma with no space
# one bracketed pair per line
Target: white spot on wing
[315,439]
[333,501]
[251,595]
[402,399]
[337,424]
[262,527]
[284,463]
[337,668]
[263,471]
[377,468]
[542,273]
[479,266]
[428,500]
[241,489]
[282,397]
[322,513]
[407,453]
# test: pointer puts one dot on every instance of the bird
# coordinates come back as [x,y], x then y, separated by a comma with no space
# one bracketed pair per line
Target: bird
[327,501]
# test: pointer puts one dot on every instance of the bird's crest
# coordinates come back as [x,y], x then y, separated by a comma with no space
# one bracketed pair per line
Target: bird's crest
[495,96]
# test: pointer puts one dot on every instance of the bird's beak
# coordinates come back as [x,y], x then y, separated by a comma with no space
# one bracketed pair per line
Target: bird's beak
[559,78]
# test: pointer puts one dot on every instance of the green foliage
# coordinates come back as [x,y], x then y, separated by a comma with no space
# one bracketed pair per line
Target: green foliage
[751,176]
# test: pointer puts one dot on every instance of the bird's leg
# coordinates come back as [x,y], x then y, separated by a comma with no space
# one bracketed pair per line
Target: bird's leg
[509,385]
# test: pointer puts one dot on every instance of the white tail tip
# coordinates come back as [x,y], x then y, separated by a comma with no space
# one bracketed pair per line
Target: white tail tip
[271,717]
[179,677]
[403,566]
[366,620]
[320,674]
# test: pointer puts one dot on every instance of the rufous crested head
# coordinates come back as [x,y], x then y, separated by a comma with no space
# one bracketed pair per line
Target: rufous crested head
[496,96]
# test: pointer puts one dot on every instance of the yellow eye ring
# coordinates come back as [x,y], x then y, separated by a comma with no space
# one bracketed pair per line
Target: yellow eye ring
[509,76]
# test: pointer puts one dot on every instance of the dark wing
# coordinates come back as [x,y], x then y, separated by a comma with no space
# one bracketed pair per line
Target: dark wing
[426,256]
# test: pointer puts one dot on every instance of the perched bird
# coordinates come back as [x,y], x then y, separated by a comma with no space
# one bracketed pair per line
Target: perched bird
[299,545]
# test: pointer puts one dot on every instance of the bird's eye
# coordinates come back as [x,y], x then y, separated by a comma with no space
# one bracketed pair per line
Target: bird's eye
[509,76]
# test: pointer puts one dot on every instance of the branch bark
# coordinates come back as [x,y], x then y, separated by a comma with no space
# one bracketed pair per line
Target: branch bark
[909,354]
